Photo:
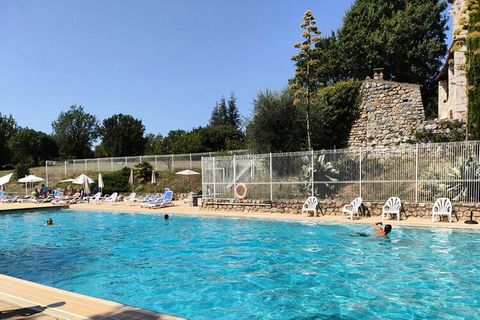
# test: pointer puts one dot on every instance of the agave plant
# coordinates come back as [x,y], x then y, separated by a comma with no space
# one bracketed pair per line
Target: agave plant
[464,184]
[324,174]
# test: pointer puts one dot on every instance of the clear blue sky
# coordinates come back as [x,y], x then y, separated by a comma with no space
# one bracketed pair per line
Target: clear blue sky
[163,61]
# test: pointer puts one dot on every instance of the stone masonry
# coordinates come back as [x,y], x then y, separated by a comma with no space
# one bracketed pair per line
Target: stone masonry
[390,113]
[461,211]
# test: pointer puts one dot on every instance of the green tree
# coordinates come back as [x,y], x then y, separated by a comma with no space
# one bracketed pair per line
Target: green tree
[220,138]
[75,131]
[21,170]
[215,117]
[32,147]
[123,135]
[405,37]
[305,82]
[154,144]
[335,108]
[170,143]
[143,171]
[220,114]
[8,128]
[190,142]
[276,125]
[233,116]
[222,111]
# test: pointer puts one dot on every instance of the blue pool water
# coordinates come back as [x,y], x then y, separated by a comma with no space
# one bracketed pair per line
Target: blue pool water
[218,268]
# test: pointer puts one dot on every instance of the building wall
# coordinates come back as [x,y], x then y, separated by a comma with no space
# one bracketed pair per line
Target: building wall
[455,105]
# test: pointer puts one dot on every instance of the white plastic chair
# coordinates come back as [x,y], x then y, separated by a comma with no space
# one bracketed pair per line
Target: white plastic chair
[442,207]
[391,207]
[310,206]
[352,208]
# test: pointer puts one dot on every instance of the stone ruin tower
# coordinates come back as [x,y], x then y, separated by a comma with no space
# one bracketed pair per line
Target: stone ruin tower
[452,80]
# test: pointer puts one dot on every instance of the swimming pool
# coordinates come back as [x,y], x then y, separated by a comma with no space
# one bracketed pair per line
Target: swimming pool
[219,268]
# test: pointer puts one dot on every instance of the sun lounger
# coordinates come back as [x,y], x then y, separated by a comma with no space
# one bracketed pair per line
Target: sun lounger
[130,199]
[112,198]
[165,202]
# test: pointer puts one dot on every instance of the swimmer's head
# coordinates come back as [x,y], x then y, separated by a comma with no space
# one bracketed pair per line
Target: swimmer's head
[166,217]
[387,229]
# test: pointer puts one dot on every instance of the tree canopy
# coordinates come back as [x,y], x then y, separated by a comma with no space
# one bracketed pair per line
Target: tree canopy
[405,37]
[122,135]
[32,147]
[276,125]
[8,128]
[75,131]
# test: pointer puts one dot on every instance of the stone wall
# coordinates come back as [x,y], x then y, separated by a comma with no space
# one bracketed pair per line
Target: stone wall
[389,114]
[332,207]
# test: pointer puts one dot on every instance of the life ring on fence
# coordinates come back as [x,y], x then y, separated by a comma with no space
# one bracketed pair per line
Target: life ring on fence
[243,193]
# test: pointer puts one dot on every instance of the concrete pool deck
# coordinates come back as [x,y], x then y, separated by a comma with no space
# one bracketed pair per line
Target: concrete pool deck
[181,209]
[32,298]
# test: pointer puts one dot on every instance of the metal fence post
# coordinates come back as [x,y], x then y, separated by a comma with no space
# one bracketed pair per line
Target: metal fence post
[111,163]
[98,164]
[204,189]
[312,178]
[271,178]
[360,173]
[46,171]
[191,166]
[416,174]
[156,164]
[65,167]
[214,179]
[126,162]
[234,174]
[173,163]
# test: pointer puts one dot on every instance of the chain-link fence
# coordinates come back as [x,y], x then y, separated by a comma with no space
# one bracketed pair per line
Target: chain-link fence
[59,170]
[415,173]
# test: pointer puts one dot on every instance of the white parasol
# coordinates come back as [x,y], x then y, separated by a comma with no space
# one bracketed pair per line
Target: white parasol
[5,179]
[81,179]
[154,177]
[30,179]
[188,173]
[100,181]
[130,179]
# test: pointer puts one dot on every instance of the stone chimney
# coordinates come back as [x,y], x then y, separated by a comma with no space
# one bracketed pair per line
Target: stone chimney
[378,74]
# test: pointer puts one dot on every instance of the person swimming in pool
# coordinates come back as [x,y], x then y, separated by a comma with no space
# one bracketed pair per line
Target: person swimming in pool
[379,231]
[49,222]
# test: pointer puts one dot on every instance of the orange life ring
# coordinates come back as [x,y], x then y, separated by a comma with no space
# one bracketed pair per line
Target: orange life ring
[243,194]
